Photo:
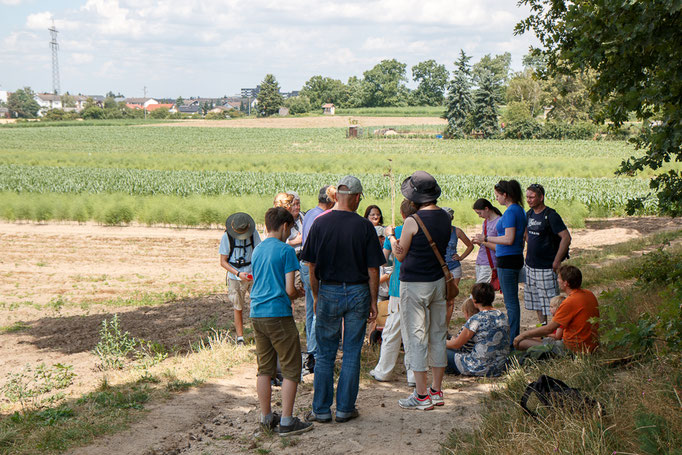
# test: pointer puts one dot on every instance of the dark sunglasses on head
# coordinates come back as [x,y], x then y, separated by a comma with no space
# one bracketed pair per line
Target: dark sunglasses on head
[537,188]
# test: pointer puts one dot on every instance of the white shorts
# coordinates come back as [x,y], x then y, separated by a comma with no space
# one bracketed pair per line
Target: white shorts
[484,273]
[541,286]
[456,272]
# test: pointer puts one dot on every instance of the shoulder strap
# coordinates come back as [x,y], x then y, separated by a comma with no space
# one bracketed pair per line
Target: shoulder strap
[231,239]
[431,242]
[487,250]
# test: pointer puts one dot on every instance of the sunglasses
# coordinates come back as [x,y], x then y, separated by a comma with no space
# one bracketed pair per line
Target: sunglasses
[537,188]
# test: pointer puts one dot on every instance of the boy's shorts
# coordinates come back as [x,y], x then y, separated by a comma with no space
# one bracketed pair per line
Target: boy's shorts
[236,292]
[278,337]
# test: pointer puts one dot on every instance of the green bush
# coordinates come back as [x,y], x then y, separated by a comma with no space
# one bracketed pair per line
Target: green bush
[522,129]
[118,214]
[560,130]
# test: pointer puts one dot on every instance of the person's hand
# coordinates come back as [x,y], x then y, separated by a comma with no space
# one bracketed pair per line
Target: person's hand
[372,312]
[456,257]
[478,239]
[398,249]
[389,230]
[519,338]
[555,265]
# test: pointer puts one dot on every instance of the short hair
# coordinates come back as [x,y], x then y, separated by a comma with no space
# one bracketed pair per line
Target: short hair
[323,197]
[407,209]
[369,209]
[537,189]
[571,275]
[483,294]
[468,307]
[285,200]
[276,217]
[555,302]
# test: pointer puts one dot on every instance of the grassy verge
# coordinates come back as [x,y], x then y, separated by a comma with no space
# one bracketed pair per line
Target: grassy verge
[411,111]
[636,375]
[118,401]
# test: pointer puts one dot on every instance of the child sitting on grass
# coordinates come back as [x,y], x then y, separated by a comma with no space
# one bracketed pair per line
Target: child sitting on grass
[274,264]
[554,304]
[468,309]
[489,330]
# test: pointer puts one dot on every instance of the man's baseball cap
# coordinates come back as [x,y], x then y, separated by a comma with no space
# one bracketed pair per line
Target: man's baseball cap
[352,183]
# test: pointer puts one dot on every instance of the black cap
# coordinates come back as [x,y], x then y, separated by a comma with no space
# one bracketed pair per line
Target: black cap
[420,187]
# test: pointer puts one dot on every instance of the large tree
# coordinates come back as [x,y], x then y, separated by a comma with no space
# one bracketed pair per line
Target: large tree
[524,87]
[432,78]
[498,68]
[383,84]
[320,90]
[459,104]
[486,99]
[269,98]
[22,103]
[634,48]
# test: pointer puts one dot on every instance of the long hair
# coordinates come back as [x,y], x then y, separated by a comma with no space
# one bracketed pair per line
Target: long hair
[483,203]
[368,210]
[512,189]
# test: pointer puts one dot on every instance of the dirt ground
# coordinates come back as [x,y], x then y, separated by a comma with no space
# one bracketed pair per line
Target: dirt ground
[60,280]
[336,121]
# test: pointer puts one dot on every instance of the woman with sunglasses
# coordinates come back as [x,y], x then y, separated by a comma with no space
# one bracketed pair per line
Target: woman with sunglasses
[509,248]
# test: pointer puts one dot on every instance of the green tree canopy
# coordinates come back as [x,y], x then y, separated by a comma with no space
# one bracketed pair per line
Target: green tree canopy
[497,66]
[432,78]
[634,48]
[485,105]
[320,90]
[459,104]
[383,84]
[22,103]
[269,98]
[524,87]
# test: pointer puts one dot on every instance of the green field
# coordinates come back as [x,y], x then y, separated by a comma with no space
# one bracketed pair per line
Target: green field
[196,176]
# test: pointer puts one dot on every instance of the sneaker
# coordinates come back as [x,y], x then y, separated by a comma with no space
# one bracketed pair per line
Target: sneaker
[240,341]
[412,384]
[353,415]
[414,402]
[377,378]
[310,364]
[272,425]
[436,398]
[312,417]
[296,427]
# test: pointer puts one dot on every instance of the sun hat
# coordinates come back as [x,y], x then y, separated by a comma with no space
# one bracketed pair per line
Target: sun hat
[420,187]
[449,211]
[352,183]
[240,225]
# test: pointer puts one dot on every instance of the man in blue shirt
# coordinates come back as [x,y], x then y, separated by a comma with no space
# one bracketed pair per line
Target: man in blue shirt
[324,204]
[274,265]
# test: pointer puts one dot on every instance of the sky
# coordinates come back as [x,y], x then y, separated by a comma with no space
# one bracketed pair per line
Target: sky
[211,48]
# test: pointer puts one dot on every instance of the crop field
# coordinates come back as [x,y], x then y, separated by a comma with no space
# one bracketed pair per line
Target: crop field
[196,176]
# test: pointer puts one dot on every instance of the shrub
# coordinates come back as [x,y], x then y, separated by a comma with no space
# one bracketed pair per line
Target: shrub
[118,214]
[114,346]
[34,387]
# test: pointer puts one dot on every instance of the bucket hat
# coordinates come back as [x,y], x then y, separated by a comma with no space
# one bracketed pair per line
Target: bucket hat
[240,225]
[420,187]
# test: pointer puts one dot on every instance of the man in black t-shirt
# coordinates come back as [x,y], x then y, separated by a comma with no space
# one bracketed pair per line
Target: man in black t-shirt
[343,255]
[548,240]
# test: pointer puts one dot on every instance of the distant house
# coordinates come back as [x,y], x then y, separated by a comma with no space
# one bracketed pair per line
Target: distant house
[134,107]
[143,101]
[328,109]
[4,112]
[189,109]
[221,109]
[48,101]
[155,106]
[283,111]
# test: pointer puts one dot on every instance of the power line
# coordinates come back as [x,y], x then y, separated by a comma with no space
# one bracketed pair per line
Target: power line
[55,58]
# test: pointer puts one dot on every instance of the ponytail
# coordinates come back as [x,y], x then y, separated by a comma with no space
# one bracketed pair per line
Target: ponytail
[512,189]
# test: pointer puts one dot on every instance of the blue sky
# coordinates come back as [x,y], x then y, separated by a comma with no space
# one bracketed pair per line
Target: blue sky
[215,47]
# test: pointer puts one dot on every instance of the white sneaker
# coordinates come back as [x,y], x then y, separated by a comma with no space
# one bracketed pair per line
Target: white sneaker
[436,398]
[376,377]
[414,402]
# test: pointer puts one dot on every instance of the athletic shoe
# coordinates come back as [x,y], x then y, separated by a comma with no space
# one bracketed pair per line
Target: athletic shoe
[353,415]
[296,427]
[436,398]
[377,378]
[310,364]
[310,416]
[414,402]
[240,341]
[412,384]
[272,425]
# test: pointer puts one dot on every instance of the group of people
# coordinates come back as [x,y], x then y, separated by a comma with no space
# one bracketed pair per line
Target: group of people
[340,260]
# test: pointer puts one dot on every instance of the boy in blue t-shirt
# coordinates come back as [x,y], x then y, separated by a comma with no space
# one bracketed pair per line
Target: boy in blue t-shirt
[274,263]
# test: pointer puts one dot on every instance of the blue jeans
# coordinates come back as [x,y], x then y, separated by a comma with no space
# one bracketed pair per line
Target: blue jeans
[337,303]
[509,283]
[311,343]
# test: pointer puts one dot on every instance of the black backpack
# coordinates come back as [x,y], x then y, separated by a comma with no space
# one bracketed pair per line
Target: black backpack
[554,393]
[242,262]
[556,240]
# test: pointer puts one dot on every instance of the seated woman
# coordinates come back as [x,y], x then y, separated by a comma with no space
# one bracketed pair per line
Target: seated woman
[489,331]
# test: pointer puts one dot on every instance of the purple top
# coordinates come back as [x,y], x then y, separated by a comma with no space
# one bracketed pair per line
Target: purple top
[482,258]
[308,222]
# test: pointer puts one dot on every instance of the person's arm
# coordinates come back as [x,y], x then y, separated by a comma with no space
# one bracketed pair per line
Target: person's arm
[542,331]
[387,254]
[373,292]
[470,246]
[464,336]
[314,284]
[506,239]
[559,334]
[563,248]
[296,241]
[227,266]
[290,285]
[402,246]
[384,278]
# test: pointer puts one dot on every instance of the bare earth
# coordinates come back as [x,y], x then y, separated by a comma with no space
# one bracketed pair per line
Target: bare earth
[305,122]
[90,266]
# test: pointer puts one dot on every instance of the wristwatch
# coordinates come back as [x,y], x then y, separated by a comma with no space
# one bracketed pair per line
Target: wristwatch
[485,238]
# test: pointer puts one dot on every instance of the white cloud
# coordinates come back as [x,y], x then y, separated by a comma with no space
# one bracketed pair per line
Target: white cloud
[11,2]
[39,21]
[79,58]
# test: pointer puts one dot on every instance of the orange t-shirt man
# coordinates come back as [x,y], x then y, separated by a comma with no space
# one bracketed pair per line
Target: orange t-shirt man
[574,316]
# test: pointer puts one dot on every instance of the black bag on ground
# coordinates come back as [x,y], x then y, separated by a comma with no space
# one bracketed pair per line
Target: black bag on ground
[555,393]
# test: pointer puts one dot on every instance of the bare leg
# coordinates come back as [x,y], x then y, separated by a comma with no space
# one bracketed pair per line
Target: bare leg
[528,342]
[448,313]
[420,381]
[437,382]
[265,393]
[239,323]
[288,396]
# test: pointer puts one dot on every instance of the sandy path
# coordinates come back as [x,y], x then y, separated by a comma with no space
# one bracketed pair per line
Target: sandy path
[305,122]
